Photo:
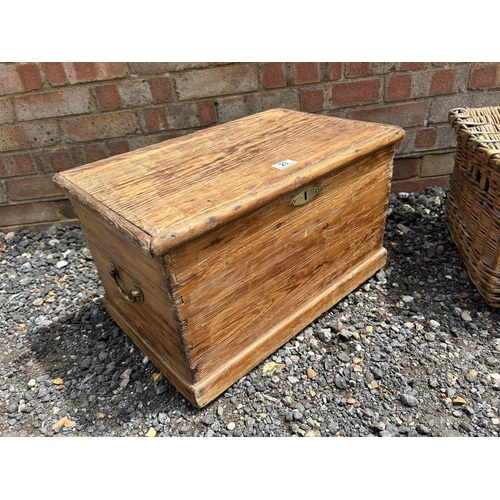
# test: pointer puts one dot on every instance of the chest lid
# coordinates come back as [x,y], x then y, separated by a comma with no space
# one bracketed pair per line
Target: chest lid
[165,194]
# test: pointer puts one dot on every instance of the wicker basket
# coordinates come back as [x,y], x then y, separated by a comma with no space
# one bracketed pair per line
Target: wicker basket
[473,205]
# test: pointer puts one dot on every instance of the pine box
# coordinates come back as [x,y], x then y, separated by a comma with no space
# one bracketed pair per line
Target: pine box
[216,248]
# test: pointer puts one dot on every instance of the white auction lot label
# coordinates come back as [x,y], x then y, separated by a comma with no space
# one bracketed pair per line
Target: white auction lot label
[283,164]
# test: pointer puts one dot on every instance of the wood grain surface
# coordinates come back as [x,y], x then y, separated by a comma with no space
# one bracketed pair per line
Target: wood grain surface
[176,190]
[238,281]
[155,317]
[228,268]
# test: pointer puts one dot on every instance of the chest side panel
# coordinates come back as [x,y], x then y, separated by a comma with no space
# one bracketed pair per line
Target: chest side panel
[237,282]
[154,318]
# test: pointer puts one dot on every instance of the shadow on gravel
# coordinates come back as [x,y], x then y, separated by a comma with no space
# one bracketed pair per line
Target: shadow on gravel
[412,339]
[423,262]
[103,375]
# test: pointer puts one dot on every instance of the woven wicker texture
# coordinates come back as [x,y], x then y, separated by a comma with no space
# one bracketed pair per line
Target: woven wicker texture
[473,205]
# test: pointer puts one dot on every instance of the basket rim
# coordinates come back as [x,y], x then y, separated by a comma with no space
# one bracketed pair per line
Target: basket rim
[465,122]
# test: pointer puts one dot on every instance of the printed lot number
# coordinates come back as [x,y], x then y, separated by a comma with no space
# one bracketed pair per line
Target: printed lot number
[283,164]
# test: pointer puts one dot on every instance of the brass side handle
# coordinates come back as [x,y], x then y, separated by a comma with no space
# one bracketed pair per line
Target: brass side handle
[133,295]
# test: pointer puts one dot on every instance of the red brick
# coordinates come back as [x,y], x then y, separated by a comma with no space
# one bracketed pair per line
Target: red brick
[10,82]
[17,165]
[167,136]
[86,71]
[206,113]
[30,76]
[6,113]
[442,81]
[425,138]
[405,168]
[214,82]
[306,72]
[94,152]
[483,76]
[407,186]
[29,135]
[87,153]
[51,104]
[312,100]
[63,159]
[59,160]
[357,69]
[108,97]
[272,75]
[154,68]
[118,147]
[405,115]
[16,78]
[230,108]
[148,68]
[398,87]
[417,185]
[40,162]
[356,93]
[81,72]
[153,119]
[335,71]
[28,213]
[54,73]
[181,116]
[405,66]
[134,93]
[161,89]
[96,127]
[109,71]
[31,188]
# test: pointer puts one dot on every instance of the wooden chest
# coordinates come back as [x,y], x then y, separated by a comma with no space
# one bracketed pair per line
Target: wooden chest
[216,248]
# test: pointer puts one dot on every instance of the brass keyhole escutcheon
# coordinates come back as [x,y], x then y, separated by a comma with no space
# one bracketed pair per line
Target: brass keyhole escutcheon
[133,295]
[305,196]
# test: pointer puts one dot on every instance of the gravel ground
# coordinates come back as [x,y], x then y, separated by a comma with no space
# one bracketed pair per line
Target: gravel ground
[413,352]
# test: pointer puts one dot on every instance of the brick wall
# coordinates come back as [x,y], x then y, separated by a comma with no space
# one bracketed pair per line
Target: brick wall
[55,116]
